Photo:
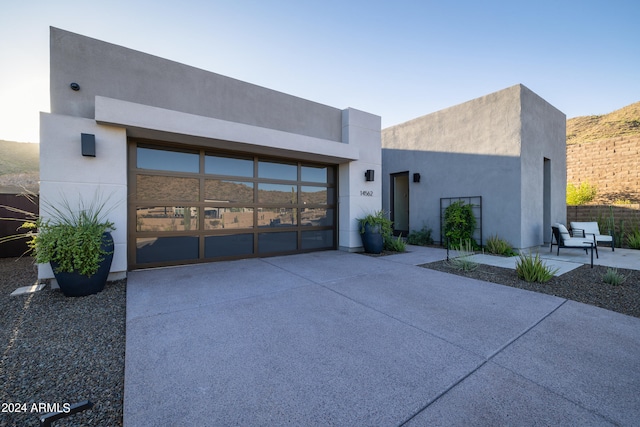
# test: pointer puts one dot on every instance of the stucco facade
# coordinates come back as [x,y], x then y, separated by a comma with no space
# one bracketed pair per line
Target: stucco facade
[507,147]
[126,95]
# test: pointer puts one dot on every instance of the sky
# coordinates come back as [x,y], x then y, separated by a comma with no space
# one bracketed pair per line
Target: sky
[397,59]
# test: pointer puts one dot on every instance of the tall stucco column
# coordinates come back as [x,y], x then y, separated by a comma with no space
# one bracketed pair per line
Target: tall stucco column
[68,176]
[358,197]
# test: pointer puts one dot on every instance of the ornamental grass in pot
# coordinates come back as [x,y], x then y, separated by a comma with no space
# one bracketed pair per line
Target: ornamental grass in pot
[77,243]
[375,230]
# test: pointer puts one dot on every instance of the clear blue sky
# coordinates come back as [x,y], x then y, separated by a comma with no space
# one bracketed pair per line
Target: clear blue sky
[397,59]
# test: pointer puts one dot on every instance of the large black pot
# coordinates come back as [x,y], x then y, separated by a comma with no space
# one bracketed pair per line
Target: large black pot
[372,240]
[79,285]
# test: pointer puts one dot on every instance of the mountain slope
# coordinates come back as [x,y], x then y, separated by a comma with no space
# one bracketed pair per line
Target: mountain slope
[19,166]
[625,121]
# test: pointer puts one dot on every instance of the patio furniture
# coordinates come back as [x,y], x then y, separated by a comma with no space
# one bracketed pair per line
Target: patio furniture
[591,228]
[565,240]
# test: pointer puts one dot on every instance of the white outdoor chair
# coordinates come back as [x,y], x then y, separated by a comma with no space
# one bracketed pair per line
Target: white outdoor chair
[592,229]
[564,240]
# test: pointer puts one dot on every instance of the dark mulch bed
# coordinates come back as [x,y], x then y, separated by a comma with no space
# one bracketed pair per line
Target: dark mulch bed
[57,350]
[583,284]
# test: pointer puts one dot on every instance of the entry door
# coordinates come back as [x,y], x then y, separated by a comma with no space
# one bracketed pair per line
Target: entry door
[400,203]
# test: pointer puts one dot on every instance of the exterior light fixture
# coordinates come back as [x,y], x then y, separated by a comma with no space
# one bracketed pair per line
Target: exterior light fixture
[368,175]
[74,86]
[88,144]
[416,177]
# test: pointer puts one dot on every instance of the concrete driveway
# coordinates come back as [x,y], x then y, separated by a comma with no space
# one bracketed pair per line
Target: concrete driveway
[332,338]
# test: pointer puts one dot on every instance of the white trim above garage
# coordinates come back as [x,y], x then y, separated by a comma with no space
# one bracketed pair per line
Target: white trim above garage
[144,121]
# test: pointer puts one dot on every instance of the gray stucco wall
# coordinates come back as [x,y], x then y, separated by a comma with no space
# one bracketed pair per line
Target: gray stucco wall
[475,149]
[113,71]
[543,136]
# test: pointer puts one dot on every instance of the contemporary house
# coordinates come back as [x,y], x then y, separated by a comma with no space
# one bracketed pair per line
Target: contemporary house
[197,166]
[503,153]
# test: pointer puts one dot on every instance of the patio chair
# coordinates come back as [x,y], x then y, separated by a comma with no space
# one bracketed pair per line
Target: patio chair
[592,229]
[564,240]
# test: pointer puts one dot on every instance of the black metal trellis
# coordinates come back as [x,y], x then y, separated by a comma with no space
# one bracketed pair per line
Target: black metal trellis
[476,208]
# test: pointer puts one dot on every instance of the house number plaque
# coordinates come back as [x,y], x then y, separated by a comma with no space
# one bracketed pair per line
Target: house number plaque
[366,193]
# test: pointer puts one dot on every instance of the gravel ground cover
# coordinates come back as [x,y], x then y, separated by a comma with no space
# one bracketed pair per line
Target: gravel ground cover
[58,350]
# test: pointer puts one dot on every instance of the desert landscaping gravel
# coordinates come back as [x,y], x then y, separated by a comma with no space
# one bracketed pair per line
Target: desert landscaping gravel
[584,284]
[58,350]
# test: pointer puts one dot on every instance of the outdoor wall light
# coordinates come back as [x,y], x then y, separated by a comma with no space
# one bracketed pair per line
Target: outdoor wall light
[416,177]
[368,175]
[75,86]
[88,144]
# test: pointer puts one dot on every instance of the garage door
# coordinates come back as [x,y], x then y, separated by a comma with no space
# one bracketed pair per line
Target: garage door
[198,205]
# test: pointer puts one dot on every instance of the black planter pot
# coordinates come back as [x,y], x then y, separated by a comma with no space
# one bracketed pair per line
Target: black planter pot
[79,285]
[372,240]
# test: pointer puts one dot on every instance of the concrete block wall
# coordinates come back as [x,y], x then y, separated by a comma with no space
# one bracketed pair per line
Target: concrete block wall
[625,217]
[612,165]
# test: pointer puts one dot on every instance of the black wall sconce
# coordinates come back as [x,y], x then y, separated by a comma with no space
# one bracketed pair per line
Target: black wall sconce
[74,86]
[368,175]
[88,144]
[416,177]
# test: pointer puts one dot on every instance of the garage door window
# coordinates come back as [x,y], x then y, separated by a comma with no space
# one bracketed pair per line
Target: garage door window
[198,205]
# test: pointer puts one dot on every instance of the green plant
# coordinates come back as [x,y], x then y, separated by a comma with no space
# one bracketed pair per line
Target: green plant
[396,245]
[613,277]
[70,237]
[461,260]
[532,269]
[421,238]
[579,195]
[633,239]
[496,245]
[378,219]
[459,223]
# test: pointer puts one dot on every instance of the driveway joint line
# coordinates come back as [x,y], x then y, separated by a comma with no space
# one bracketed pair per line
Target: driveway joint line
[483,363]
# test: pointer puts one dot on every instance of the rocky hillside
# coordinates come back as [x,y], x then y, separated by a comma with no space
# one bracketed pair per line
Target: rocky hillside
[622,122]
[19,166]
[605,152]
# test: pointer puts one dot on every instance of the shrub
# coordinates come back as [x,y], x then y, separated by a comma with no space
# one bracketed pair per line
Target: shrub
[532,269]
[378,219]
[633,239]
[459,223]
[579,195]
[395,245]
[612,277]
[422,237]
[496,245]
[462,259]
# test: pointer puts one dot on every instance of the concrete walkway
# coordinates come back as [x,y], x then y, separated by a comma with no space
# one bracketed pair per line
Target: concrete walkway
[569,259]
[332,338]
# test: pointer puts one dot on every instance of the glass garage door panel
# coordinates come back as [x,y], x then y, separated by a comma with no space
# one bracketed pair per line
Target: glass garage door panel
[166,218]
[277,217]
[217,190]
[277,242]
[284,194]
[222,165]
[316,217]
[317,239]
[222,217]
[166,249]
[167,188]
[273,170]
[229,245]
[167,160]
